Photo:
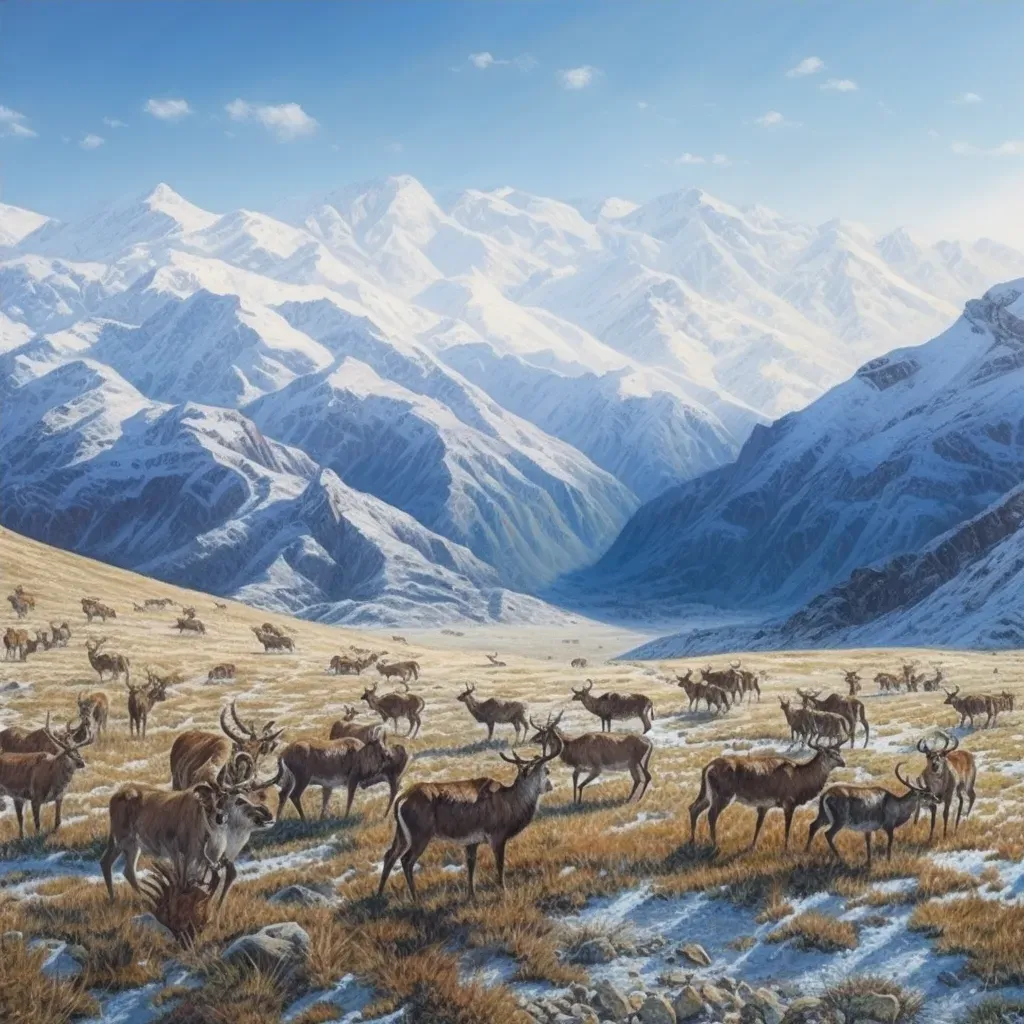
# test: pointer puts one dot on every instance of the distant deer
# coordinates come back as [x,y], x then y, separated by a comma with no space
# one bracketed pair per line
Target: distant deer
[849,707]
[467,812]
[888,683]
[495,711]
[273,641]
[493,659]
[190,624]
[611,707]
[933,684]
[102,661]
[405,670]
[852,680]
[223,671]
[727,679]
[578,663]
[20,605]
[141,700]
[96,609]
[393,706]
[949,772]
[969,705]
[95,707]
[348,727]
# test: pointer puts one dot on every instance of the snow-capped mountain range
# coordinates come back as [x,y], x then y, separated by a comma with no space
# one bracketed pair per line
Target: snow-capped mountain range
[370,403]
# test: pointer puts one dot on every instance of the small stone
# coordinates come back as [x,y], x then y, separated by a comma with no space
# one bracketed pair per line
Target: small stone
[767,1004]
[582,1014]
[300,895]
[147,922]
[636,998]
[695,954]
[12,936]
[744,991]
[673,979]
[875,1006]
[656,1010]
[949,979]
[715,996]
[276,949]
[595,951]
[610,1002]
[800,1009]
[688,1004]
[579,993]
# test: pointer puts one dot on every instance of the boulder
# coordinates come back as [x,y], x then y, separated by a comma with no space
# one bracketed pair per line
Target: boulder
[147,922]
[688,1004]
[695,953]
[763,1006]
[276,949]
[60,960]
[801,1010]
[300,895]
[595,951]
[872,1007]
[949,979]
[656,1010]
[610,1003]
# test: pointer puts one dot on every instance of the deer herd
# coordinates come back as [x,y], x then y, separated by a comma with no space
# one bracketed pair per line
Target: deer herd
[221,782]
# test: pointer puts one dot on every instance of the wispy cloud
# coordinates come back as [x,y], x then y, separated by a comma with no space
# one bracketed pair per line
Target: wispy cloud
[91,141]
[839,85]
[689,158]
[113,122]
[485,59]
[578,78]
[773,119]
[965,99]
[642,104]
[285,121]
[13,122]
[695,159]
[1011,147]
[168,110]
[721,160]
[933,134]
[808,66]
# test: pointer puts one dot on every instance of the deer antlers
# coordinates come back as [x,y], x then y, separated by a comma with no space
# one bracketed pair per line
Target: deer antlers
[906,782]
[525,765]
[949,743]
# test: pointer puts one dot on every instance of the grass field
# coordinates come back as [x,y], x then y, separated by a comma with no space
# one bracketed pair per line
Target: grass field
[577,872]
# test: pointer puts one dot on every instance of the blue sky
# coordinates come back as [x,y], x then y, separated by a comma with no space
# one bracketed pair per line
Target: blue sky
[914,116]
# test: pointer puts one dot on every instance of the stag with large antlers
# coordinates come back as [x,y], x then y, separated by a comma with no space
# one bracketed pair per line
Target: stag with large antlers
[596,752]
[611,707]
[969,706]
[762,781]
[103,661]
[468,812]
[198,756]
[393,706]
[949,772]
[17,740]
[495,711]
[42,778]
[849,707]
[141,700]
[868,809]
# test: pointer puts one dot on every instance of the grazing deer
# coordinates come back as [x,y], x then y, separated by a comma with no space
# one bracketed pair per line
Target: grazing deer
[61,633]
[727,679]
[762,781]
[96,609]
[849,707]
[342,665]
[1000,702]
[493,659]
[347,726]
[868,809]
[611,707]
[189,624]
[495,711]
[934,684]
[273,641]
[969,705]
[96,708]
[393,706]
[826,725]
[197,756]
[852,680]
[887,682]
[141,700]
[578,663]
[597,752]
[15,643]
[468,812]
[102,661]
[223,671]
[405,670]
[801,725]
[41,778]
[949,772]
[157,602]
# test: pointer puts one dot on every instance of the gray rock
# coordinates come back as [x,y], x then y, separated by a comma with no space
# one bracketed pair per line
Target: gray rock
[656,1010]
[715,996]
[276,949]
[582,1014]
[803,1009]
[302,896]
[610,1003]
[874,1007]
[949,979]
[595,951]
[688,1004]
[12,936]
[147,922]
[766,1005]
[58,961]
[675,978]
[695,954]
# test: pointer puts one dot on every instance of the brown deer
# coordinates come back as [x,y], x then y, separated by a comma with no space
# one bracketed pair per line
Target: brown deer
[849,707]
[103,661]
[578,663]
[347,726]
[324,763]
[273,641]
[969,705]
[911,679]
[949,772]
[598,752]
[762,781]
[17,740]
[393,706]
[467,812]
[96,609]
[868,809]
[20,605]
[405,670]
[495,663]
[826,725]
[61,633]
[223,671]
[189,624]
[342,665]
[197,756]
[799,720]
[852,680]
[888,683]
[1001,702]
[934,684]
[141,700]
[495,711]
[41,778]
[95,707]
[611,707]
[727,679]
[15,643]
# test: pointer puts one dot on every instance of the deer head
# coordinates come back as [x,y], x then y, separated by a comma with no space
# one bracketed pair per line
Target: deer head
[580,694]
[922,791]
[950,694]
[682,680]
[830,752]
[370,692]
[937,756]
[530,769]
[466,693]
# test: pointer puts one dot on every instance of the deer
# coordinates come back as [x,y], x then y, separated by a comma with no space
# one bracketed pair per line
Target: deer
[1000,702]
[969,705]
[597,752]
[868,809]
[221,606]
[887,682]
[41,778]
[96,609]
[393,706]
[849,707]
[495,663]
[911,679]
[141,700]
[102,661]
[197,755]
[348,727]
[801,725]
[342,665]
[611,707]
[61,633]
[95,707]
[189,624]
[273,641]
[949,772]
[467,812]
[16,740]
[15,643]
[223,671]
[727,679]
[20,606]
[828,725]
[852,680]
[405,670]
[399,640]
[750,683]
[495,711]
[762,781]
[578,663]
[934,684]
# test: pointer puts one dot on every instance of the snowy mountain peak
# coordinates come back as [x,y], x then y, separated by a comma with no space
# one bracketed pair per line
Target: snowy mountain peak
[16,223]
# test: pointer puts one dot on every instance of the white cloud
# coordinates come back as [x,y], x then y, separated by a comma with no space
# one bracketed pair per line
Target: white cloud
[285,121]
[721,160]
[1011,147]
[167,110]
[481,60]
[839,85]
[808,66]
[689,158]
[578,78]
[113,122]
[91,141]
[641,104]
[485,59]
[13,122]
[773,119]
[967,98]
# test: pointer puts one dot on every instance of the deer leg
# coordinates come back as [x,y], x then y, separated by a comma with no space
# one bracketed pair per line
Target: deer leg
[945,816]
[131,861]
[325,799]
[970,804]
[107,865]
[471,868]
[498,848]
[590,778]
[761,812]
[395,850]
[820,821]
[19,806]
[36,809]
[830,835]
[352,785]
[230,873]
[931,831]
[788,812]
[959,808]
[716,810]
[287,783]
[60,800]
[296,799]
[409,858]
[647,723]
[697,808]
[575,781]
[490,730]
[888,848]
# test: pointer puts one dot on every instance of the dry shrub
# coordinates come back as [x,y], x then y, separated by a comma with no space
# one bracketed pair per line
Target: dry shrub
[839,997]
[812,930]
[996,1011]
[776,907]
[27,996]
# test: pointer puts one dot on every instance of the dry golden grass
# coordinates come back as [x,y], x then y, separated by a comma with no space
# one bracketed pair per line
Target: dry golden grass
[27,996]
[816,931]
[412,954]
